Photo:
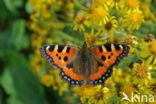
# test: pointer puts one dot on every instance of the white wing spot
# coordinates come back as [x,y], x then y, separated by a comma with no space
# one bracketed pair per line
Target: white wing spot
[47,48]
[121,46]
[112,46]
[56,48]
[104,49]
[64,50]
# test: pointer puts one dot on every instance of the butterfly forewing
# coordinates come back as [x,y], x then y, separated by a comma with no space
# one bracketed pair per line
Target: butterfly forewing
[107,55]
[58,55]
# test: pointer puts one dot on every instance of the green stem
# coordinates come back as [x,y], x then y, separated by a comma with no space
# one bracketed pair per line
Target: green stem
[111,36]
[77,3]
[62,34]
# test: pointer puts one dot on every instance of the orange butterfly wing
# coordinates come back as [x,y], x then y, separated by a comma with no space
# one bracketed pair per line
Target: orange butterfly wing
[61,57]
[73,78]
[107,55]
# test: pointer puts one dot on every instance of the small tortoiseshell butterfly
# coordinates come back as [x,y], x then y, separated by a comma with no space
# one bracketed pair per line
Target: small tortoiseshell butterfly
[85,65]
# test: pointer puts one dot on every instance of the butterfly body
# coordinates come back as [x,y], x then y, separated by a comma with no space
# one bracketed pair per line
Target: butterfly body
[91,65]
[85,63]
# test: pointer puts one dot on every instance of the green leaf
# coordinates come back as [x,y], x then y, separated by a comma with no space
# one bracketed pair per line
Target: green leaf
[127,61]
[146,28]
[14,100]
[1,97]
[5,41]
[4,12]
[7,82]
[15,36]
[13,5]
[18,34]
[114,100]
[26,85]
[29,7]
[153,73]
[8,86]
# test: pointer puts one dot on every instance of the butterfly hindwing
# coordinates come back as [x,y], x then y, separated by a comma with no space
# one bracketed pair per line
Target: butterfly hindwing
[107,55]
[69,75]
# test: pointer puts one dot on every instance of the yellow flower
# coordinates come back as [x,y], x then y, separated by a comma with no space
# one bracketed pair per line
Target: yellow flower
[45,11]
[128,89]
[99,2]
[148,48]
[79,22]
[129,40]
[36,41]
[70,5]
[133,19]
[104,3]
[149,37]
[87,90]
[152,47]
[136,16]
[154,63]
[144,7]
[99,12]
[99,15]
[132,4]
[147,12]
[118,4]
[102,88]
[90,39]
[34,26]
[120,76]
[141,73]
[36,63]
[92,94]
[39,3]
[110,25]
[79,18]
[58,84]
[47,80]
[144,50]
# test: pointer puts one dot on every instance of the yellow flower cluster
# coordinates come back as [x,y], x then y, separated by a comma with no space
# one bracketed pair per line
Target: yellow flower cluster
[106,18]
[50,80]
[93,94]
[98,21]
[110,17]
[101,11]
[133,19]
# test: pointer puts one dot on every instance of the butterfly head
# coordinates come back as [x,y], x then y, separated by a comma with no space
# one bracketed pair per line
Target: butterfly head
[84,46]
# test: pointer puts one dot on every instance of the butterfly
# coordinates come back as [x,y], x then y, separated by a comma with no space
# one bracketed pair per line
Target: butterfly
[85,65]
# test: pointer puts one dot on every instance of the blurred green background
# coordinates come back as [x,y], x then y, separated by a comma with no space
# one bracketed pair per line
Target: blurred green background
[18,85]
